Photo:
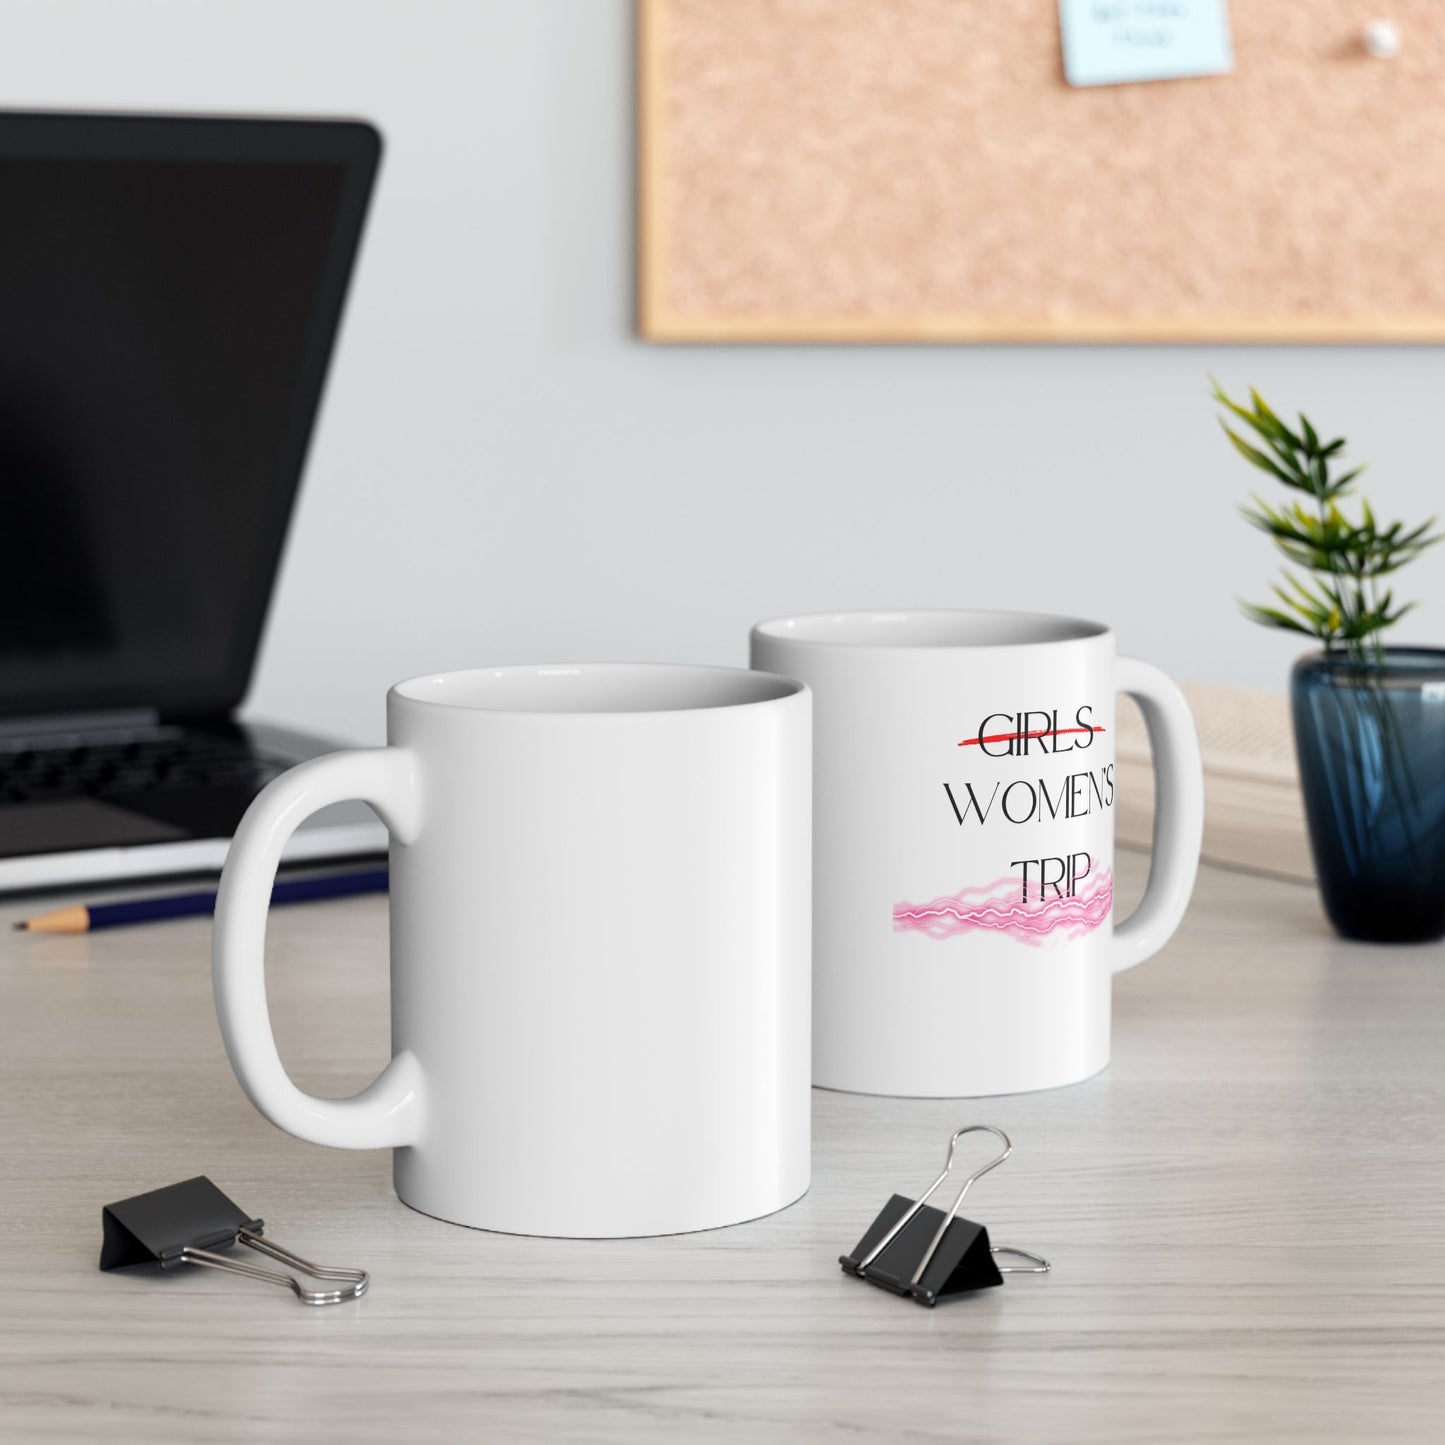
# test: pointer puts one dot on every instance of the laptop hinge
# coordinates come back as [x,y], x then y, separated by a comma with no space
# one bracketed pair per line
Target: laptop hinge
[114,719]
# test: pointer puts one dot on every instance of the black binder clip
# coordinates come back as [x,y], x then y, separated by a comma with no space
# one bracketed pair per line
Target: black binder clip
[916,1250]
[187,1223]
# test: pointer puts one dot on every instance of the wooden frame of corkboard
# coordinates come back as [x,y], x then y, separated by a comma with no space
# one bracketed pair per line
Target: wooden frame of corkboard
[919,170]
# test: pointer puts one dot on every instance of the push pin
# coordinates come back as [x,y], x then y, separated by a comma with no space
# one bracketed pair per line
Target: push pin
[187,1223]
[1381,40]
[916,1250]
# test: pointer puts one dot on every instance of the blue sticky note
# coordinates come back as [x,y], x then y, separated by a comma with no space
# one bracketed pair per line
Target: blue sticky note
[1110,42]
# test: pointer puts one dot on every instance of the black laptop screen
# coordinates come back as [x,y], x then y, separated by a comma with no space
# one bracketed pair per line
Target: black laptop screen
[164,328]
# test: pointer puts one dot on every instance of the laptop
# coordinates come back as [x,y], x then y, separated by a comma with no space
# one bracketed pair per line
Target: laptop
[170,290]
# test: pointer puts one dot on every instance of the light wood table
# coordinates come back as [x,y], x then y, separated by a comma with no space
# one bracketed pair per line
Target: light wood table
[1245,1214]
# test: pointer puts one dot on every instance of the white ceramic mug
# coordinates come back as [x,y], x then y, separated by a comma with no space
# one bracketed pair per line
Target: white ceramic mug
[600,959]
[964,790]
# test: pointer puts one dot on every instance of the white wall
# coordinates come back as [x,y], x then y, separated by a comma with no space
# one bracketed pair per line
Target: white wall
[504,473]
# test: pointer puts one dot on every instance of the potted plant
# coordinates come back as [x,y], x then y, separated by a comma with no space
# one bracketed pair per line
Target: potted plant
[1369,719]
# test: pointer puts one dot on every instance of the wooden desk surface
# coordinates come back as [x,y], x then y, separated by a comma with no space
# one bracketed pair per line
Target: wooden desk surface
[1245,1213]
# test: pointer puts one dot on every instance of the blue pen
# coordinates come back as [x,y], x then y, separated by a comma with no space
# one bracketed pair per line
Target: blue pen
[82,919]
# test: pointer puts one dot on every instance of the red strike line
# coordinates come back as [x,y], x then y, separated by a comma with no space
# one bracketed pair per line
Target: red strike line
[1016,737]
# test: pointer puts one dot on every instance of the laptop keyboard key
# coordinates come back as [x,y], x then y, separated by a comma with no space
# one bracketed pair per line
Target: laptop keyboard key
[107,769]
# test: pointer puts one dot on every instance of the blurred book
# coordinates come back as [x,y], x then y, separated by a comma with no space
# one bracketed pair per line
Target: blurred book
[1253,811]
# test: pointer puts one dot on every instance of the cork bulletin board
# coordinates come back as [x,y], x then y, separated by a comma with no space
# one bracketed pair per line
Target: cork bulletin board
[919,170]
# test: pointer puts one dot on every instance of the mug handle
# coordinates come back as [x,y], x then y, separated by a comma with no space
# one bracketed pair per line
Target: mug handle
[1178,812]
[391,1111]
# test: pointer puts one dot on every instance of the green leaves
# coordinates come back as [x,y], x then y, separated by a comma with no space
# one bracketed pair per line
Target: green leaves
[1340,603]
[1258,458]
[1297,459]
[1318,610]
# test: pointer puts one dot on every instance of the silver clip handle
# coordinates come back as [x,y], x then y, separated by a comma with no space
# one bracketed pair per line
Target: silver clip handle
[1039,1266]
[968,1183]
[923,1198]
[357,1279]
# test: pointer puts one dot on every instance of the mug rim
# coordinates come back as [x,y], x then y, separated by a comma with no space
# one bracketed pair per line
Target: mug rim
[754,688]
[1060,629]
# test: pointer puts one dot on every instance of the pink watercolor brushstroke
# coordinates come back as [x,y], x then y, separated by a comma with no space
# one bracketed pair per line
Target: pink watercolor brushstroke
[999,908]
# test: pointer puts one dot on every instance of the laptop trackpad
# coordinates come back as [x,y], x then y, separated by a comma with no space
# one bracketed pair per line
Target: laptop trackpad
[74,823]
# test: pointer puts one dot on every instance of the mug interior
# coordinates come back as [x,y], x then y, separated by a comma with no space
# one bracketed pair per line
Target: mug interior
[929,628]
[602,687]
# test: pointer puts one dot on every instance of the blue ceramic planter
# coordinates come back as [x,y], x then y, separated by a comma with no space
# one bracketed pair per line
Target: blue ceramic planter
[1371,742]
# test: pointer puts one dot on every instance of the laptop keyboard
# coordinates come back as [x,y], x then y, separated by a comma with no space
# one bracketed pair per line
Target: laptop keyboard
[159,760]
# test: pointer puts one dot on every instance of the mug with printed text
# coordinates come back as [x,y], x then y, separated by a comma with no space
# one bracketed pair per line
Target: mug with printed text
[964,795]
[600,963]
